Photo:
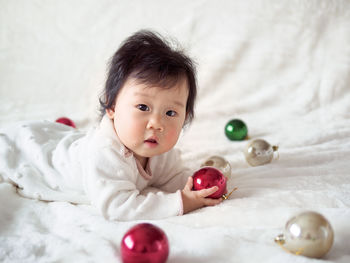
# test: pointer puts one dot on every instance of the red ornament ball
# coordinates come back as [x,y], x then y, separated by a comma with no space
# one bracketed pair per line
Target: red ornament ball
[145,243]
[66,121]
[208,177]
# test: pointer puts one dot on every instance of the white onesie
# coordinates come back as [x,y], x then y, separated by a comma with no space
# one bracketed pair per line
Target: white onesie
[53,162]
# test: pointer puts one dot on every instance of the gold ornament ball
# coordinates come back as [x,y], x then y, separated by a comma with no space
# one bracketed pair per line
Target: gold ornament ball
[308,234]
[219,163]
[259,152]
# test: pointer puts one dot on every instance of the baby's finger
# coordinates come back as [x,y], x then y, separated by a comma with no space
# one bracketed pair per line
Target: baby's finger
[212,201]
[189,184]
[207,192]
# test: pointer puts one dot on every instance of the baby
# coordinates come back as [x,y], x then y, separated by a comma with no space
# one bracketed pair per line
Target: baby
[127,167]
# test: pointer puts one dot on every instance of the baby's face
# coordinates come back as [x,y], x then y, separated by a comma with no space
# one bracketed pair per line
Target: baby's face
[148,120]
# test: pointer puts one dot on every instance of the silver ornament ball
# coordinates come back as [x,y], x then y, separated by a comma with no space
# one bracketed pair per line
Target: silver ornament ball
[219,163]
[259,152]
[308,234]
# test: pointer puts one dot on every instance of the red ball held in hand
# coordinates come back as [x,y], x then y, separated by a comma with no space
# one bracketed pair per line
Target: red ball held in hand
[144,243]
[208,177]
[66,121]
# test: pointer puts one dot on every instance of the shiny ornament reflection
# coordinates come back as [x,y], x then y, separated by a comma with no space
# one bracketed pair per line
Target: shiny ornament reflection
[308,234]
[208,177]
[259,152]
[236,130]
[144,243]
[220,164]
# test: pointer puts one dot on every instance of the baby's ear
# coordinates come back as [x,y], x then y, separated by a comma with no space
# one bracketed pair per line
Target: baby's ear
[110,113]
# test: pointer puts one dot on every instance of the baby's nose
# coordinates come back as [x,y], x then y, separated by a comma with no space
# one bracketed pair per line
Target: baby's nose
[155,122]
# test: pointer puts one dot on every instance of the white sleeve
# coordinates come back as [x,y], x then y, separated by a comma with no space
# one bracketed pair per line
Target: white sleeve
[169,172]
[110,182]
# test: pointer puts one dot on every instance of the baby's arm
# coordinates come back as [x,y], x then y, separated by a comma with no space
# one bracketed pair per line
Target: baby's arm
[111,184]
[169,173]
[175,176]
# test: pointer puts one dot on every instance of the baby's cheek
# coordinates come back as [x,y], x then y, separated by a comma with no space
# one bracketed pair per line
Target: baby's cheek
[129,132]
[173,135]
[136,132]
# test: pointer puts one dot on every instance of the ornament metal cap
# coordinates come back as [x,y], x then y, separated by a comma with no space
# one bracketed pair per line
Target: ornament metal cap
[226,196]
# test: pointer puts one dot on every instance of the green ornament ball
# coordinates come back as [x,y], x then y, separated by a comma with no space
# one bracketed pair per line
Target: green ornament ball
[236,130]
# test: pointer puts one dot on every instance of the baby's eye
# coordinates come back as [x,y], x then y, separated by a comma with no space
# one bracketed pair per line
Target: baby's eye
[171,113]
[142,107]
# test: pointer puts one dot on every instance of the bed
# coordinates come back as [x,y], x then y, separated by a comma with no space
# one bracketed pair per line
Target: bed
[283,67]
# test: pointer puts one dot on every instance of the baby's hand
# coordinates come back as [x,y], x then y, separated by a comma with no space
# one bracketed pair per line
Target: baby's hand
[193,200]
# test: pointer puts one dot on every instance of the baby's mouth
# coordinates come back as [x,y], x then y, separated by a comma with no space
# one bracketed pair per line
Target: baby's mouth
[151,141]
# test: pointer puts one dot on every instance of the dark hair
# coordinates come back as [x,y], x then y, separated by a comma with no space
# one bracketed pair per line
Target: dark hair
[149,58]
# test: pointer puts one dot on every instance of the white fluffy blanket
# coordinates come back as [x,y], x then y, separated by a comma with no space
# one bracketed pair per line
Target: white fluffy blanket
[282,66]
